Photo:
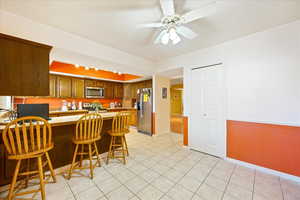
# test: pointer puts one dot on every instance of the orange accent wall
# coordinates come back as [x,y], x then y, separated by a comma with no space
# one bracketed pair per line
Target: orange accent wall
[153,124]
[56,103]
[272,146]
[71,69]
[185,131]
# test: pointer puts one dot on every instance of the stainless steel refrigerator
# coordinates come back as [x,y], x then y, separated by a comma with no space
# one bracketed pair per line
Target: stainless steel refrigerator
[144,107]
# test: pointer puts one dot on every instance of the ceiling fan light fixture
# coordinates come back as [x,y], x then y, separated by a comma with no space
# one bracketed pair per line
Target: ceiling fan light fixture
[165,38]
[173,34]
[176,40]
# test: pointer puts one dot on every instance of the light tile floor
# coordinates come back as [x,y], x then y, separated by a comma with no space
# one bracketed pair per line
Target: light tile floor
[159,167]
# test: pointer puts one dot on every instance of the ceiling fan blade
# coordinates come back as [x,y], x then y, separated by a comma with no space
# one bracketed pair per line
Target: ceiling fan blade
[167,7]
[186,32]
[199,13]
[151,25]
[160,35]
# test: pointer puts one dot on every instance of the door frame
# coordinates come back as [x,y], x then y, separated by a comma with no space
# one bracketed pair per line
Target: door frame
[223,149]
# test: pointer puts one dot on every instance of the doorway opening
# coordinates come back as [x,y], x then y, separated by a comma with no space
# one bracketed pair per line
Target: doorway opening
[176,103]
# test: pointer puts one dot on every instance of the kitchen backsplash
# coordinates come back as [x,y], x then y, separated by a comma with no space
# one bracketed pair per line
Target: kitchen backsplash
[56,103]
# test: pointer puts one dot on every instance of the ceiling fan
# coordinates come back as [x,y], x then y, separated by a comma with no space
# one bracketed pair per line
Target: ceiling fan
[172,24]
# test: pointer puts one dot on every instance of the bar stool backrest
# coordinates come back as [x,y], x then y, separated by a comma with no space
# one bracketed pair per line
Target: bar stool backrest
[27,135]
[121,122]
[88,127]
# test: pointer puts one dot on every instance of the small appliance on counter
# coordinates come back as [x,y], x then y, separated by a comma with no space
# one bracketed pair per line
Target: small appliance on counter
[73,107]
[112,105]
[64,106]
[80,105]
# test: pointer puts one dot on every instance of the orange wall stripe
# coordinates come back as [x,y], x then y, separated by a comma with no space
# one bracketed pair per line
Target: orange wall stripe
[185,131]
[71,69]
[56,103]
[153,124]
[272,146]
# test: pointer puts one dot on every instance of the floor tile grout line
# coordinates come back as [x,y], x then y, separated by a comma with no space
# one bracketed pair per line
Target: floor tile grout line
[202,182]
[282,192]
[182,178]
[254,184]
[228,181]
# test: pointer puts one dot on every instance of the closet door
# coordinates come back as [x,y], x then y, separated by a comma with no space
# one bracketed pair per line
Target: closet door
[207,114]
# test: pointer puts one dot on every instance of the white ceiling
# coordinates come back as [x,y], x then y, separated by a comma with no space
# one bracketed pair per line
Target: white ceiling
[114,22]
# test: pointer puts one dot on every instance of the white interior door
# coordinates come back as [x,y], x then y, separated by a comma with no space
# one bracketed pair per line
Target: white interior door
[207,121]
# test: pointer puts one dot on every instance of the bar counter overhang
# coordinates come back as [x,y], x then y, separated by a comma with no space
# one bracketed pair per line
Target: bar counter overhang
[63,129]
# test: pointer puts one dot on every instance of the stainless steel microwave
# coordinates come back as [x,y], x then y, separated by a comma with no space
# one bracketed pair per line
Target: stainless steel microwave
[94,92]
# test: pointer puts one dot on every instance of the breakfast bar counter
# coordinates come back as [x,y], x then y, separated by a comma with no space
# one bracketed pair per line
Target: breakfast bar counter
[63,129]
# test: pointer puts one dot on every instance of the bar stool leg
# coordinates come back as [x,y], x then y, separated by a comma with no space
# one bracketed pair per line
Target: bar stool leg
[123,150]
[28,169]
[91,163]
[42,185]
[50,167]
[97,154]
[109,151]
[73,162]
[126,147]
[81,156]
[14,180]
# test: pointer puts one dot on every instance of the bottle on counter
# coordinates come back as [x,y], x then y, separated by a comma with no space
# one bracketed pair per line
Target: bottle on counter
[64,105]
[73,107]
[80,105]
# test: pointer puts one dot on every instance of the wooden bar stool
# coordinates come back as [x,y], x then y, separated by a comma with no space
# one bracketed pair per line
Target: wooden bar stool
[120,127]
[88,131]
[24,139]
[127,129]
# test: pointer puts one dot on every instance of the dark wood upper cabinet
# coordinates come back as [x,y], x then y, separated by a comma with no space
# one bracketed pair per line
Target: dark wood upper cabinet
[77,88]
[91,83]
[24,67]
[118,90]
[127,91]
[52,86]
[64,87]
[108,90]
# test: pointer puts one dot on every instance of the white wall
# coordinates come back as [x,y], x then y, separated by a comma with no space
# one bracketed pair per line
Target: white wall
[161,106]
[262,75]
[65,44]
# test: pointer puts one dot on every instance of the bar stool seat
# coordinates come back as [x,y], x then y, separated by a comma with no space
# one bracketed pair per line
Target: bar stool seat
[24,139]
[88,132]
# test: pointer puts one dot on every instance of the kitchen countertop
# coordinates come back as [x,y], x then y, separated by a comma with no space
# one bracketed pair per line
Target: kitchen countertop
[68,111]
[120,108]
[72,119]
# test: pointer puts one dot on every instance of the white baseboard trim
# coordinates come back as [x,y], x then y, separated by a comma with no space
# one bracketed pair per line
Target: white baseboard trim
[265,170]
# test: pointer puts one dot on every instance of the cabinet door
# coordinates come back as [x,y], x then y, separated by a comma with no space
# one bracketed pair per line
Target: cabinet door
[90,83]
[77,88]
[52,86]
[24,67]
[134,90]
[127,91]
[108,90]
[118,90]
[148,84]
[100,84]
[64,87]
